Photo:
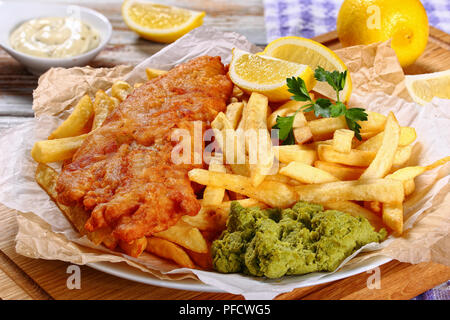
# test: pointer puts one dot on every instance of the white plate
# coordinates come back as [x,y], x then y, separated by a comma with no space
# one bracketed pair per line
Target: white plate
[124,271]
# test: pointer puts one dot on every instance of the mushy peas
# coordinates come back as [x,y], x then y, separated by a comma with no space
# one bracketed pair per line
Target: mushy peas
[278,242]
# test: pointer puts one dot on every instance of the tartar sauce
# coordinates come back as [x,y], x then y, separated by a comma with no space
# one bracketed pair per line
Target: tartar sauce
[54,37]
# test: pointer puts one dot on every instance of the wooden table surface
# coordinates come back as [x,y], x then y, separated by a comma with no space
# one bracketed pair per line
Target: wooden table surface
[24,278]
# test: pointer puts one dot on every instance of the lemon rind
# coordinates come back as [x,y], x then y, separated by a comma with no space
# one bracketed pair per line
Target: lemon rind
[251,85]
[411,79]
[195,20]
[276,91]
[311,44]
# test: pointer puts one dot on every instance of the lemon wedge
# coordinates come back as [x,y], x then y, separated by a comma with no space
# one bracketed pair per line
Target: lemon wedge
[424,87]
[313,54]
[159,22]
[267,75]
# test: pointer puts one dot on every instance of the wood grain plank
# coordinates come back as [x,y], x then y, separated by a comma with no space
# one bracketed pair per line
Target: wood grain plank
[9,290]
[8,264]
[399,281]
[21,280]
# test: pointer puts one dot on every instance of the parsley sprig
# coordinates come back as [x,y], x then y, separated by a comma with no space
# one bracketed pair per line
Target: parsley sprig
[321,107]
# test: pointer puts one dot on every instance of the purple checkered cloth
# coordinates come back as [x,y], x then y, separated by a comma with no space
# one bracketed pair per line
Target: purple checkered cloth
[441,292]
[310,18]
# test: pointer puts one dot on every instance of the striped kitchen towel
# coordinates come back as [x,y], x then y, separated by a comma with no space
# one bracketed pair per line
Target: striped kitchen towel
[310,18]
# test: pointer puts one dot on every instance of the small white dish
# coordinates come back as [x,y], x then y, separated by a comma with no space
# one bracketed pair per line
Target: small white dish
[13,14]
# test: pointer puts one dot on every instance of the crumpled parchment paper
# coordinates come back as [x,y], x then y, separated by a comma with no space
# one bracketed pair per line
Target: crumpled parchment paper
[377,85]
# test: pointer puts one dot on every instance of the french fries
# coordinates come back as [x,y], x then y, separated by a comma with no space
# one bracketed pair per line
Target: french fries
[374,206]
[409,186]
[273,193]
[204,220]
[55,150]
[153,73]
[203,260]
[375,122]
[360,158]
[324,128]
[302,132]
[334,169]
[186,236]
[213,196]
[385,156]
[288,154]
[76,123]
[230,144]
[307,174]
[120,90]
[340,171]
[407,173]
[342,140]
[70,135]
[384,190]
[357,158]
[103,106]
[134,248]
[402,156]
[286,109]
[256,121]
[234,113]
[393,216]
[169,251]
[407,136]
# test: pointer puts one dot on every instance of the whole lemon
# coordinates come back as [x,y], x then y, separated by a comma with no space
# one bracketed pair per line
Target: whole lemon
[369,21]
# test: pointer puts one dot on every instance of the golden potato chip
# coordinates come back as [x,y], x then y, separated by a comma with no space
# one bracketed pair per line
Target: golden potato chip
[135,247]
[76,123]
[385,156]
[55,150]
[184,235]
[393,216]
[383,190]
[170,251]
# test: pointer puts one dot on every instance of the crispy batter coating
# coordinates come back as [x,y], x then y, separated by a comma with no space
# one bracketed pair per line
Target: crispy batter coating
[123,173]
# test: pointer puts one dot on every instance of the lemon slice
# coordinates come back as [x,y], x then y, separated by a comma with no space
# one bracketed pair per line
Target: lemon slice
[267,75]
[159,22]
[313,54]
[423,87]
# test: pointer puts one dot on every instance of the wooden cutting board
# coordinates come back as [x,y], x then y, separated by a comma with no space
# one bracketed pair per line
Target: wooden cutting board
[24,278]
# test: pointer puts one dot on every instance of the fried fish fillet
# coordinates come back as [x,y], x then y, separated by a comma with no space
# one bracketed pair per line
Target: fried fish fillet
[124,173]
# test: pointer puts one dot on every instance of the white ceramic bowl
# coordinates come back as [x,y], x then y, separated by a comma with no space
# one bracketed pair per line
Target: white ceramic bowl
[13,14]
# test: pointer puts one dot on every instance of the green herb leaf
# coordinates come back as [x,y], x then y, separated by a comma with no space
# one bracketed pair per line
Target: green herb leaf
[354,126]
[297,87]
[353,115]
[335,79]
[356,114]
[322,108]
[284,125]
[337,109]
